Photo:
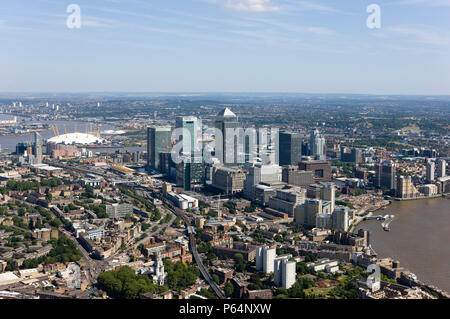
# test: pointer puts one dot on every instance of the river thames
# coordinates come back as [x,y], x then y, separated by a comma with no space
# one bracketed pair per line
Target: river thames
[419,238]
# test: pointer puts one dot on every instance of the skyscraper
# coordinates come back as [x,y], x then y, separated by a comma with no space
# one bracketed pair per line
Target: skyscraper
[341,218]
[290,148]
[430,171]
[441,168]
[328,193]
[158,140]
[38,147]
[265,257]
[385,174]
[288,273]
[190,171]
[191,124]
[227,148]
[317,145]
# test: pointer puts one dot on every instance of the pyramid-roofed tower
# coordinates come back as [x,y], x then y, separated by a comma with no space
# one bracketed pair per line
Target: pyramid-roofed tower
[226,112]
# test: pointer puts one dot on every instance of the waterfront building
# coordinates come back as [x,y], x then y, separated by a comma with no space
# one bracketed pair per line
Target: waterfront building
[430,171]
[385,174]
[406,188]
[441,168]
[428,189]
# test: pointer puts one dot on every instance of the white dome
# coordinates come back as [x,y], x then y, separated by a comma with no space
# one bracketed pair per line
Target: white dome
[76,138]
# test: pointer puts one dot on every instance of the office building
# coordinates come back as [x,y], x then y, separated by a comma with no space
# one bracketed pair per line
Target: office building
[287,199]
[227,148]
[353,154]
[320,169]
[290,149]
[191,127]
[166,164]
[260,173]
[228,179]
[189,172]
[317,145]
[293,176]
[158,141]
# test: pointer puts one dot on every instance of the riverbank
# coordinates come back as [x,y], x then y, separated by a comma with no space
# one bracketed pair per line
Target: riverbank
[418,238]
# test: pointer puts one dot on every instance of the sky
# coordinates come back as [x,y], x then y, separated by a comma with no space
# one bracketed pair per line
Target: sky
[226,46]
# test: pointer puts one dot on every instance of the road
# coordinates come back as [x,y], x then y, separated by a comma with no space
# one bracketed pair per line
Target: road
[193,245]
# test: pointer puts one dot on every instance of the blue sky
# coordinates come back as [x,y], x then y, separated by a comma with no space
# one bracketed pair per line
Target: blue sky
[226,46]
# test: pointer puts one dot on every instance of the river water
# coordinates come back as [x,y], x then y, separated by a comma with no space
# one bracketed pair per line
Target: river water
[8,143]
[419,238]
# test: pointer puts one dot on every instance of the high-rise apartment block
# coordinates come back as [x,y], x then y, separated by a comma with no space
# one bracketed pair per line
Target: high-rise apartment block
[265,257]
[385,174]
[441,168]
[431,167]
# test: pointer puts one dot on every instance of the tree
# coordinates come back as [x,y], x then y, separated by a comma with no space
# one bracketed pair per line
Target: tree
[124,283]
[229,289]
